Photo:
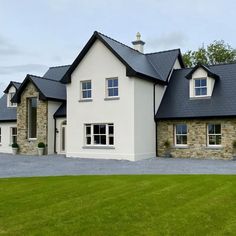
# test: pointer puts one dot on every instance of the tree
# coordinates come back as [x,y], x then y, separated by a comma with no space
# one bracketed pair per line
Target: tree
[216,53]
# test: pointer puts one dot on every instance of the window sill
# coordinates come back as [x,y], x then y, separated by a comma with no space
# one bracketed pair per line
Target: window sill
[111,98]
[98,147]
[32,139]
[86,100]
[200,97]
[214,147]
[181,146]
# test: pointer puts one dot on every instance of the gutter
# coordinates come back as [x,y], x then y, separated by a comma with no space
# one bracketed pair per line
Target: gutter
[154,114]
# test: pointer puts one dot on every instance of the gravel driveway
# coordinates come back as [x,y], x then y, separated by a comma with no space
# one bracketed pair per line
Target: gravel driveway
[17,166]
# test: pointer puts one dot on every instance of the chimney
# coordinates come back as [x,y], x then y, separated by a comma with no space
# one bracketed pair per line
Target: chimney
[138,43]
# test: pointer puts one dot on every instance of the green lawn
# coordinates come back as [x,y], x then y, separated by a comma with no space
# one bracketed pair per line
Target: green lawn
[119,205]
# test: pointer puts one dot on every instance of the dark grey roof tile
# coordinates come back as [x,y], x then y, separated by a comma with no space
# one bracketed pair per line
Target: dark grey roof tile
[176,102]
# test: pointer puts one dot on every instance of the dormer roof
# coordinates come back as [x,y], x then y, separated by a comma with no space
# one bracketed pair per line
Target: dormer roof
[205,68]
[14,84]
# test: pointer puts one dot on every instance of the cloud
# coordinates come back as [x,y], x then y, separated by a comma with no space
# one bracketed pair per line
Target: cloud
[7,48]
[28,68]
[167,41]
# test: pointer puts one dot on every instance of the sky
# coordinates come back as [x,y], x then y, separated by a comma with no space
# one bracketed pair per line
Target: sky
[35,35]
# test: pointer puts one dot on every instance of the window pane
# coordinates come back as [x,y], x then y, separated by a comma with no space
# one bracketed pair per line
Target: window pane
[210,129]
[88,140]
[88,130]
[89,85]
[110,92]
[115,82]
[110,83]
[212,139]
[197,83]
[197,91]
[96,139]
[115,91]
[218,129]
[203,91]
[89,94]
[84,94]
[96,129]
[184,139]
[111,141]
[111,129]
[181,129]
[103,139]
[203,82]
[218,139]
[184,129]
[102,129]
[14,131]
[178,139]
[84,85]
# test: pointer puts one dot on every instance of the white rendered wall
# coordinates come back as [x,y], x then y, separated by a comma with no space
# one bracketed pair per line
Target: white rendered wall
[144,131]
[59,122]
[99,64]
[52,108]
[5,146]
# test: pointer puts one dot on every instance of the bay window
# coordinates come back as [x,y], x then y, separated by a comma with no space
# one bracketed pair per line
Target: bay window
[99,134]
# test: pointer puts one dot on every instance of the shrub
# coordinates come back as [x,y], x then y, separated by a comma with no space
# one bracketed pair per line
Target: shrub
[41,145]
[15,145]
[167,144]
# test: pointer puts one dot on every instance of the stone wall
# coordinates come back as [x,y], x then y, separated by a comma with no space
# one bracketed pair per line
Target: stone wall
[197,138]
[30,146]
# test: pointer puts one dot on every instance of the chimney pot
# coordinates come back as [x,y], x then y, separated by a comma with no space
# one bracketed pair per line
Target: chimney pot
[138,43]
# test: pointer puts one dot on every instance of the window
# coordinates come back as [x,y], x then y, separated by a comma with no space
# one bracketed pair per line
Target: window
[13,135]
[0,135]
[99,134]
[32,118]
[214,134]
[200,87]
[10,103]
[86,89]
[181,134]
[112,87]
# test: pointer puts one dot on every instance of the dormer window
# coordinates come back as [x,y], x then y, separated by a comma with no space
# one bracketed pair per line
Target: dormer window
[200,87]
[201,82]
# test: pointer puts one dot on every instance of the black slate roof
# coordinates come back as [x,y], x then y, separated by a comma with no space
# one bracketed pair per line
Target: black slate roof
[6,113]
[177,104]
[155,67]
[49,89]
[61,111]
[56,73]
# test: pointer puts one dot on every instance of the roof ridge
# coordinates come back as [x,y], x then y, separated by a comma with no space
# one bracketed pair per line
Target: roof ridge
[209,66]
[119,42]
[59,66]
[44,78]
[222,64]
[15,82]
[176,49]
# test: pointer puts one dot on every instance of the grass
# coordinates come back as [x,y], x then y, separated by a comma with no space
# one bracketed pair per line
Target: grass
[119,205]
